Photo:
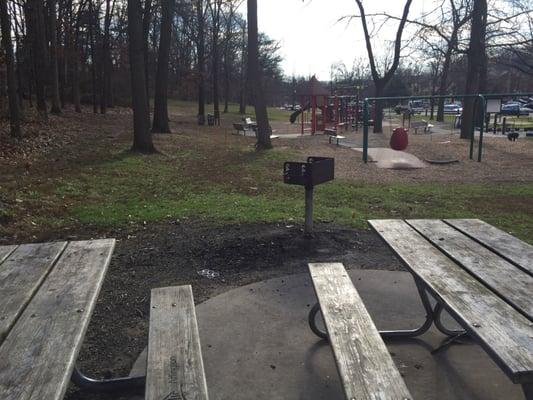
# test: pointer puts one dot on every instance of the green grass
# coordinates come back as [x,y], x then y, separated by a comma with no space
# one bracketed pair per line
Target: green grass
[138,189]
[235,184]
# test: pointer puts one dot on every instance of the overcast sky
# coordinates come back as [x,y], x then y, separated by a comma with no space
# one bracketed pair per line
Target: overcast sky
[312,39]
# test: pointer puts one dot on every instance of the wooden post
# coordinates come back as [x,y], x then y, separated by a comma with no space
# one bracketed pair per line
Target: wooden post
[302,114]
[308,229]
[313,115]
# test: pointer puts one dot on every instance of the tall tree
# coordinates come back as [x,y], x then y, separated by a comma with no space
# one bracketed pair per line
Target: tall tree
[160,123]
[142,137]
[36,27]
[54,69]
[254,73]
[215,7]
[200,50]
[476,78]
[106,58]
[14,112]
[382,80]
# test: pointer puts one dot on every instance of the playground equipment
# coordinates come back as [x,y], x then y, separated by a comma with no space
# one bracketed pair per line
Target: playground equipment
[320,109]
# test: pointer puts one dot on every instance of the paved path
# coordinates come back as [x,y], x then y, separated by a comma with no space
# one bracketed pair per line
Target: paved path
[257,345]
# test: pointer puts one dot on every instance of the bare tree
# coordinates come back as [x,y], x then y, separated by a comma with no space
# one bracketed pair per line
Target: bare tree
[254,74]
[382,80]
[142,137]
[14,112]
[476,78]
[56,108]
[160,123]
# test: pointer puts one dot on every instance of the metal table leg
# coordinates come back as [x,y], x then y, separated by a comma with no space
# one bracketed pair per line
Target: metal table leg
[129,384]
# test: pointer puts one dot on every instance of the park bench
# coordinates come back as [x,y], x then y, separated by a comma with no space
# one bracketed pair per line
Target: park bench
[365,366]
[421,124]
[49,292]
[333,135]
[242,128]
[481,276]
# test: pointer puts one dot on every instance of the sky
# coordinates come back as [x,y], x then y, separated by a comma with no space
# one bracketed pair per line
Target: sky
[312,38]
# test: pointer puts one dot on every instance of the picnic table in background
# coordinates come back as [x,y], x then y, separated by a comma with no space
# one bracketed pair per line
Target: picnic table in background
[482,276]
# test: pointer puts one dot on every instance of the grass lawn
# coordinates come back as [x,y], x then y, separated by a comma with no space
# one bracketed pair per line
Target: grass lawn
[234,185]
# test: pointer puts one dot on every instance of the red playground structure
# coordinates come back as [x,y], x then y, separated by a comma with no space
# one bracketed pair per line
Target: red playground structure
[320,108]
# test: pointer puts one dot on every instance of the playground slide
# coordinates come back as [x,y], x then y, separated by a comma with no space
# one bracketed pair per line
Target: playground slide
[295,114]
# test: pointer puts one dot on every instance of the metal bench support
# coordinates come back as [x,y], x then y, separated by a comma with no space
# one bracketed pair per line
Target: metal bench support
[130,383]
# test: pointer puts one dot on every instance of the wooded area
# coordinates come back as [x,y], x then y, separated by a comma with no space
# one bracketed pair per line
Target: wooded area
[102,53]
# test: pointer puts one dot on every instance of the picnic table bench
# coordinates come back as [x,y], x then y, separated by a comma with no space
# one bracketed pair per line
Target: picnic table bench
[482,276]
[365,366]
[49,291]
[333,135]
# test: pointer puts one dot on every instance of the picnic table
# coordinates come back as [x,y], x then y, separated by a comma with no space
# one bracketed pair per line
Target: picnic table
[49,291]
[482,276]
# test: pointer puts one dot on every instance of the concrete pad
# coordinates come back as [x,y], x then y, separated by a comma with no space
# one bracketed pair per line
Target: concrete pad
[257,345]
[393,159]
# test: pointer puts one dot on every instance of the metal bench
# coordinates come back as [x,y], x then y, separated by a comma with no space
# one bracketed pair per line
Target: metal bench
[481,276]
[332,135]
[365,366]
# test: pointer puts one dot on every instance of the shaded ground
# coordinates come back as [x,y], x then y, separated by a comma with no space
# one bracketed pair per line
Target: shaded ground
[172,254]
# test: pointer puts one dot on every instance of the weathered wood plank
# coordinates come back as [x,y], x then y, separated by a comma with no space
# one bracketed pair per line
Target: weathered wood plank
[38,355]
[365,366]
[504,333]
[175,369]
[512,284]
[514,250]
[21,274]
[5,251]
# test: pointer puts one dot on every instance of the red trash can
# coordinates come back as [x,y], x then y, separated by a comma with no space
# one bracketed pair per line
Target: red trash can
[399,140]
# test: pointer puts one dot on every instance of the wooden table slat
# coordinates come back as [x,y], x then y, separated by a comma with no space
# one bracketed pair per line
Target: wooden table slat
[512,284]
[175,368]
[21,274]
[5,251]
[38,355]
[502,243]
[502,331]
[365,366]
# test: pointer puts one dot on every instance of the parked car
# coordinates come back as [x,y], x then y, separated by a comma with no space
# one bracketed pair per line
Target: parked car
[453,109]
[515,109]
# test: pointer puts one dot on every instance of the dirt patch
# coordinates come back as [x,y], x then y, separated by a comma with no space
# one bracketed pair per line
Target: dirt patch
[172,254]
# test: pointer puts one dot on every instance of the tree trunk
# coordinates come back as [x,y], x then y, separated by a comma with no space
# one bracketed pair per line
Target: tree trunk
[146,19]
[476,64]
[142,138]
[14,111]
[160,123]
[215,55]
[261,114]
[54,69]
[200,49]
[242,93]
[106,57]
[444,82]
[377,114]
[36,26]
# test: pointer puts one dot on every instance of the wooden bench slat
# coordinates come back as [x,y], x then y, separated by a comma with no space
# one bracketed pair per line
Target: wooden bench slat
[38,355]
[5,251]
[175,368]
[21,274]
[502,331]
[509,282]
[516,251]
[365,366]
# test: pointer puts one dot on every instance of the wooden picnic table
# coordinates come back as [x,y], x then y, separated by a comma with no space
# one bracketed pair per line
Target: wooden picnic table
[482,276]
[48,293]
